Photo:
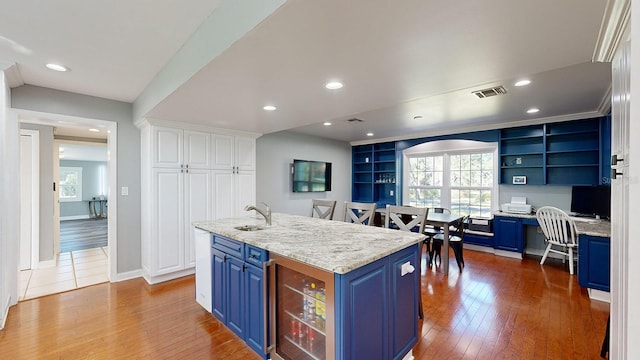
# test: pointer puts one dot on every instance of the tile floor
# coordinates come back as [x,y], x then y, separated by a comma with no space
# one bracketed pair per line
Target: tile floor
[73,270]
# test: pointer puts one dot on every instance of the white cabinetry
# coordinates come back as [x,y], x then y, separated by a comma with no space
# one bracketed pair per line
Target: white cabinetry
[234,176]
[188,176]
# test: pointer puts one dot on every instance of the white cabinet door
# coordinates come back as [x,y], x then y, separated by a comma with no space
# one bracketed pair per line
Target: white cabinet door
[223,194]
[167,147]
[197,152]
[168,232]
[197,207]
[245,190]
[245,153]
[222,152]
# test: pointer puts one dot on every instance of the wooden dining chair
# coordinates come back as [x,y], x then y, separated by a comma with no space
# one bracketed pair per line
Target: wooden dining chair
[407,218]
[359,213]
[323,209]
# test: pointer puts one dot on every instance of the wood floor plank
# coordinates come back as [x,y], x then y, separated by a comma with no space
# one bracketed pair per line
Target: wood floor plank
[82,234]
[497,308]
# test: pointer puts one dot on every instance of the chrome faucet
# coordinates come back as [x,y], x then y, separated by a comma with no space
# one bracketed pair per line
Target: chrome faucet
[267,215]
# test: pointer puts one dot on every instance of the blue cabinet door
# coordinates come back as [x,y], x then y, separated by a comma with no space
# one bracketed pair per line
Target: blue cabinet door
[253,300]
[362,312]
[594,262]
[235,300]
[218,284]
[508,234]
[404,298]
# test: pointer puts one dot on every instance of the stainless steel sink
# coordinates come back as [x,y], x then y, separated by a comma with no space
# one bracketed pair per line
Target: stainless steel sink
[249,227]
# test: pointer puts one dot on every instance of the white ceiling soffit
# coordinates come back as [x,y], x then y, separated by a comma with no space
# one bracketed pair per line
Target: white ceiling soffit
[398,60]
[113,48]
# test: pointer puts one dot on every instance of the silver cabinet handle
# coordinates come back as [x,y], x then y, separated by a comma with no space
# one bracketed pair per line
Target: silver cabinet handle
[268,304]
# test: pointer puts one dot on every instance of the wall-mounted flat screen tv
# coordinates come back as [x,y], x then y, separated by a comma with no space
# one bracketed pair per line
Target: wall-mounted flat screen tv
[311,176]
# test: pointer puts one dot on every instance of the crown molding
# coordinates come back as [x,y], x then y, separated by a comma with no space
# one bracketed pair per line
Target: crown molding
[614,23]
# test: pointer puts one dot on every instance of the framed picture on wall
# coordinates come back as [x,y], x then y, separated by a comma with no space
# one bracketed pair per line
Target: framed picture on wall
[519,180]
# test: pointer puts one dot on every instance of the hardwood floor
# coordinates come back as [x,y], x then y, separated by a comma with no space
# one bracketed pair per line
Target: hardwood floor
[498,308]
[82,234]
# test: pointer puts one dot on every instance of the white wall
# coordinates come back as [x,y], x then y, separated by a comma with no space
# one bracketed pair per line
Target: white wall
[9,202]
[47,200]
[52,101]
[274,154]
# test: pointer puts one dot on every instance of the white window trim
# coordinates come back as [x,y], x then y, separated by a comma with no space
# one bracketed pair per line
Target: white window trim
[78,196]
[447,148]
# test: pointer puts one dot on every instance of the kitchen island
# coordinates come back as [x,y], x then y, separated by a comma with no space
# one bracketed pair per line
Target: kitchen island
[336,290]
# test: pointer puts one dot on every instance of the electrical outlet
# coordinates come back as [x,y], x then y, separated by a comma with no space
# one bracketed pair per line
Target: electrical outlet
[390,192]
[519,161]
[125,191]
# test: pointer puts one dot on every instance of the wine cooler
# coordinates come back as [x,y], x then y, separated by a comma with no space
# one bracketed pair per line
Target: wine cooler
[302,311]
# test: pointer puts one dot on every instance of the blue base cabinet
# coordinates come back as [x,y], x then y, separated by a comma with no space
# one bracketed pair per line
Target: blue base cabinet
[480,239]
[594,262]
[238,289]
[377,308]
[508,234]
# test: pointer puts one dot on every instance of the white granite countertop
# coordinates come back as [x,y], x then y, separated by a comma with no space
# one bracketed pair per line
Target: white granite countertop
[333,246]
[586,226]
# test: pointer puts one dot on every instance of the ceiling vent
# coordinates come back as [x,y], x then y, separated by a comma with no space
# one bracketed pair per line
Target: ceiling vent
[485,93]
[354,121]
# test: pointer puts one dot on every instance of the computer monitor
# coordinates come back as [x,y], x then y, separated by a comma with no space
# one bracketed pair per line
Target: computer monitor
[591,200]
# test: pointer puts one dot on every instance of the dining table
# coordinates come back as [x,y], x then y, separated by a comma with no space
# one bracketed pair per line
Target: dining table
[441,220]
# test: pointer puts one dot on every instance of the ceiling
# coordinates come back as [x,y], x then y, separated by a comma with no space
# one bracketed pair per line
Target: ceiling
[408,68]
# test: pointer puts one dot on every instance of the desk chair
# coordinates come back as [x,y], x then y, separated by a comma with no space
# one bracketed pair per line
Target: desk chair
[359,213]
[407,218]
[456,237]
[559,230]
[323,208]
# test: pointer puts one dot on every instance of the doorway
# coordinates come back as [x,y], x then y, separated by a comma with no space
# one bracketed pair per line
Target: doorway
[61,272]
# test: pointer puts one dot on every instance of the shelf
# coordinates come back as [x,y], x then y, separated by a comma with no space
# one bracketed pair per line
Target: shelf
[301,348]
[521,153]
[572,165]
[305,322]
[522,167]
[520,137]
[573,133]
[571,151]
[362,172]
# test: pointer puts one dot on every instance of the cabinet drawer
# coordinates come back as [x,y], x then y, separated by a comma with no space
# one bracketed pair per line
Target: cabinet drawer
[254,255]
[228,246]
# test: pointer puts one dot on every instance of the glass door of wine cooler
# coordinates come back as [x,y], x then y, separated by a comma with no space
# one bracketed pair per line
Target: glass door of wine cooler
[303,314]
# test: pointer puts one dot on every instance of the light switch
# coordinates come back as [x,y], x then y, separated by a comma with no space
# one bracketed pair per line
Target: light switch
[390,192]
[125,191]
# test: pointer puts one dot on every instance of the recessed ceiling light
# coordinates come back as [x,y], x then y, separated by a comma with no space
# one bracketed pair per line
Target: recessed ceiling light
[94,130]
[369,134]
[533,110]
[326,123]
[57,67]
[334,85]
[523,82]
[269,107]
[417,117]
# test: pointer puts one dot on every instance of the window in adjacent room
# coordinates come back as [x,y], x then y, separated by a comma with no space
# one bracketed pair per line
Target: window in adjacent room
[70,183]
[455,174]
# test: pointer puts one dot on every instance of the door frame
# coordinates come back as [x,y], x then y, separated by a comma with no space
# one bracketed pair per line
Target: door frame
[35,196]
[49,119]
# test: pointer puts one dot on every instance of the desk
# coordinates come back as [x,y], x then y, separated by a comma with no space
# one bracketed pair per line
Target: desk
[437,219]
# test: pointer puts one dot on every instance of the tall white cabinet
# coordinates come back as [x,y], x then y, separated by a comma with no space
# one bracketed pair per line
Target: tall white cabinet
[234,175]
[188,176]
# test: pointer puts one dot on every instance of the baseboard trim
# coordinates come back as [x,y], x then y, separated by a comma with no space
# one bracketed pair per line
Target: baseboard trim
[599,295]
[5,312]
[127,275]
[480,248]
[46,264]
[162,278]
[75,217]
[509,254]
